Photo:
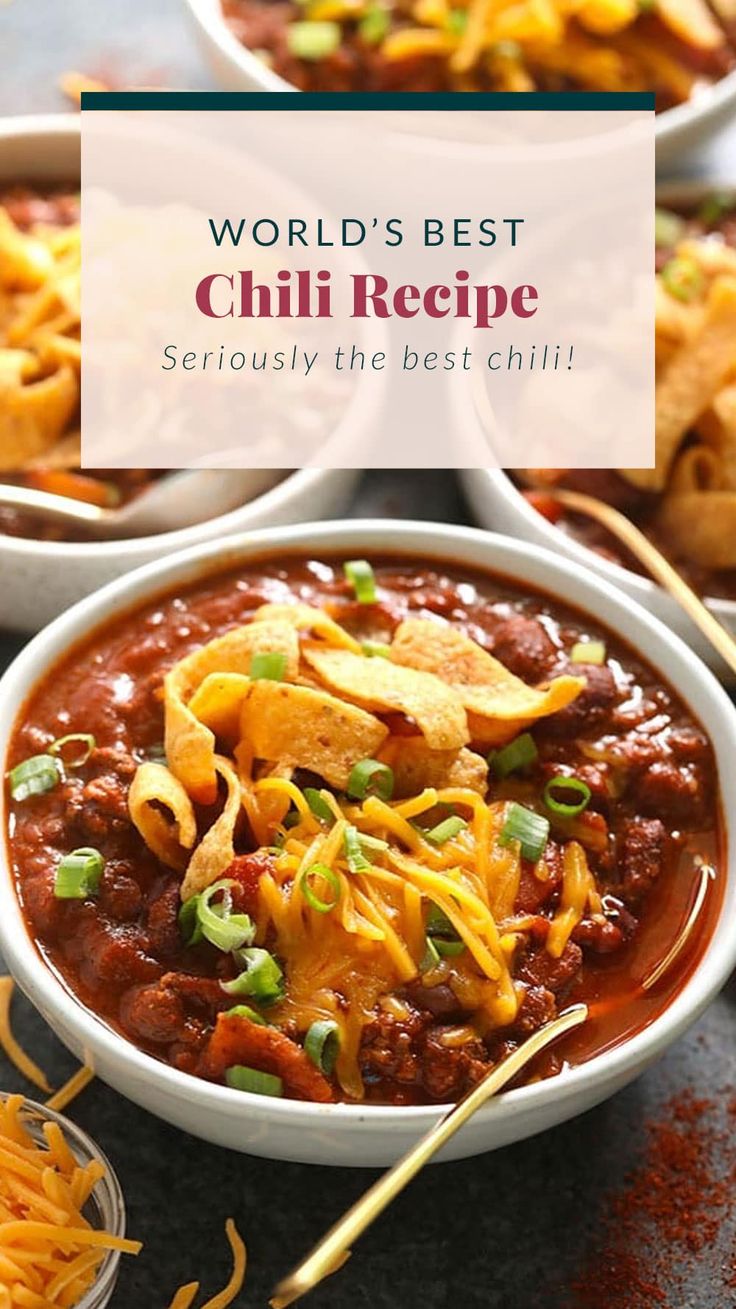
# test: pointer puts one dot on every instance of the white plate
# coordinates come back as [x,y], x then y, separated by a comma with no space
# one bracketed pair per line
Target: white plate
[372,1134]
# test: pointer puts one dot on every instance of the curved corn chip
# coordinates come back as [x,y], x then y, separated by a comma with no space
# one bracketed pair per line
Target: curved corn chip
[215,851]
[154,788]
[498,702]
[381,685]
[217,702]
[303,728]
[190,743]
[416,767]
[303,618]
[266,808]
[691,380]
[34,416]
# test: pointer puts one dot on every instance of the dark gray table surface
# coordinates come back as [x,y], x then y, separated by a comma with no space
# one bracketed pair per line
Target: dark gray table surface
[504,1231]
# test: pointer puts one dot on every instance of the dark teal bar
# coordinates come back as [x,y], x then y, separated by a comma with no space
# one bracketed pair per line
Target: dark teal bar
[613,101]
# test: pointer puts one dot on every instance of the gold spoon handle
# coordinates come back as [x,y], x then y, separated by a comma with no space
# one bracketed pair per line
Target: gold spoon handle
[55,508]
[662,571]
[333,1247]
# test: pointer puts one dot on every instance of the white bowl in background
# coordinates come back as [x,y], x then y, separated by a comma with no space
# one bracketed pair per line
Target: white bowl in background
[39,579]
[498,505]
[371,1134]
[235,68]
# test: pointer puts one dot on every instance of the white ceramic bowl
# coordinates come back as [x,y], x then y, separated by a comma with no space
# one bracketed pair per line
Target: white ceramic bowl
[235,68]
[39,579]
[498,505]
[349,1134]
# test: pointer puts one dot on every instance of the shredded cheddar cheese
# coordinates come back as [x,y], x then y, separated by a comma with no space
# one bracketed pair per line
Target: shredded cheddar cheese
[382,852]
[49,1254]
[71,1089]
[186,1295]
[12,1049]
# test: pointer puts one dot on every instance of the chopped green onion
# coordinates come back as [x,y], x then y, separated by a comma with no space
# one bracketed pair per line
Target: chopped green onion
[442,934]
[318,805]
[223,929]
[457,21]
[268,666]
[569,786]
[431,956]
[668,227]
[683,278]
[77,761]
[313,900]
[519,753]
[241,1078]
[322,1044]
[376,649]
[370,777]
[189,922]
[262,977]
[374,25]
[78,875]
[357,861]
[313,40]
[445,830]
[361,576]
[529,829]
[371,842]
[588,652]
[34,776]
[438,924]
[245,1011]
[448,948]
[715,207]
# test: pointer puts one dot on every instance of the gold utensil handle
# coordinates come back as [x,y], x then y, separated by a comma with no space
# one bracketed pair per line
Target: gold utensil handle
[333,1247]
[56,508]
[659,567]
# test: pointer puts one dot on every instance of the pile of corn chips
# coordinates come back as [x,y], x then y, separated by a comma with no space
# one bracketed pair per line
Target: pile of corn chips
[39,346]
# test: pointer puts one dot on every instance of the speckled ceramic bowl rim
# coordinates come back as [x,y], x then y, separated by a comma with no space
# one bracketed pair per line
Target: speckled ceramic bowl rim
[708,103]
[534,567]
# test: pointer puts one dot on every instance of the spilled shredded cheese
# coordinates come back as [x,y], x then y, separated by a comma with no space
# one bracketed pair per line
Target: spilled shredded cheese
[185,1296]
[71,1089]
[12,1049]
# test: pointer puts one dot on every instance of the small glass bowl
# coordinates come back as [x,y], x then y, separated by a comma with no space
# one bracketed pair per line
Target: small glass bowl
[105,1208]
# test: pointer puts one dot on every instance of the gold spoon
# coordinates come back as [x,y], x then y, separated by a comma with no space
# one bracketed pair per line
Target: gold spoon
[333,1249]
[329,1255]
[654,561]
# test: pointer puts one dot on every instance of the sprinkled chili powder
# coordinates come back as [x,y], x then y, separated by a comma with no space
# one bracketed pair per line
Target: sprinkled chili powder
[669,1210]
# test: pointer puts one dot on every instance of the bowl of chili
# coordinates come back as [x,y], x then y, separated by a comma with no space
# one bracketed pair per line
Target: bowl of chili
[46,568]
[686,59]
[688,513]
[457,783]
